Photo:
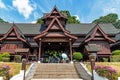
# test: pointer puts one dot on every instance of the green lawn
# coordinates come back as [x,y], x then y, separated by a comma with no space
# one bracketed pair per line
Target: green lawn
[14,67]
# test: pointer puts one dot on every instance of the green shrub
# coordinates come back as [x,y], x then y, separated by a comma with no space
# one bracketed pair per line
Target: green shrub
[6,54]
[115,58]
[5,59]
[77,56]
[0,57]
[116,52]
[17,58]
[105,59]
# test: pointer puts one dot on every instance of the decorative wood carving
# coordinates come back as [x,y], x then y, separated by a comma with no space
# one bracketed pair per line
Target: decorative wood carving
[55,40]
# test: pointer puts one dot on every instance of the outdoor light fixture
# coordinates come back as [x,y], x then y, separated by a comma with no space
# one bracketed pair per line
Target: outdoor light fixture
[70,39]
[60,43]
[40,39]
[49,43]
[92,59]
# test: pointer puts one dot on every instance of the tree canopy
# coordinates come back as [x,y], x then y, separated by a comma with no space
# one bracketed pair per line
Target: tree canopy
[40,21]
[2,21]
[110,18]
[71,19]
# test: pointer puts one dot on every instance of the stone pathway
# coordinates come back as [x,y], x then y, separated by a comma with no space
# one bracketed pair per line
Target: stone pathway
[55,71]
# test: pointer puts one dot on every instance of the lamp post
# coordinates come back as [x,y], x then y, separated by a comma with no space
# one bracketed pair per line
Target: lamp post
[92,59]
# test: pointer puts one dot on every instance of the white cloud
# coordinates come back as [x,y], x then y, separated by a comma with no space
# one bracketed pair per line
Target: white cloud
[33,22]
[2,5]
[24,7]
[102,8]
[77,17]
[109,10]
[36,15]
[112,7]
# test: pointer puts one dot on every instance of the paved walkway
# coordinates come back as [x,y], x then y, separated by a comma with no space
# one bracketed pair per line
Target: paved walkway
[56,71]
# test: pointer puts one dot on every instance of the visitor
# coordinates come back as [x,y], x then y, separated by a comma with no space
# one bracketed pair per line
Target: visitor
[58,59]
[64,57]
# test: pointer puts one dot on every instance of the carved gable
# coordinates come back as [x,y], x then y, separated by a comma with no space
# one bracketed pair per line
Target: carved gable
[55,26]
[97,34]
[13,34]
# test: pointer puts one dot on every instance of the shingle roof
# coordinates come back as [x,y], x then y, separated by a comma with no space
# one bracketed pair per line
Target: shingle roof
[85,28]
[79,28]
[28,28]
[20,32]
[117,37]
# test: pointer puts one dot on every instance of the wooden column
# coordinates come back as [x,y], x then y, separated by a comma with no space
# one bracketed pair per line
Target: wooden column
[70,43]
[27,54]
[39,55]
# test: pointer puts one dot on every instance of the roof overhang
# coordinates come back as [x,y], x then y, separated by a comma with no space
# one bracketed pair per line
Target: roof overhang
[92,48]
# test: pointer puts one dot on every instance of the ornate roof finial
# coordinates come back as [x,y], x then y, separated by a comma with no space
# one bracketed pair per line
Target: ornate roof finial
[55,6]
[97,24]
[14,24]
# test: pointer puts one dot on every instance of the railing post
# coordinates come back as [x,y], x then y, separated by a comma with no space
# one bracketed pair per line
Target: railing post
[92,68]
[23,67]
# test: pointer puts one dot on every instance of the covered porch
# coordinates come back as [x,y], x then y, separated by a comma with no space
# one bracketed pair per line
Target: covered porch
[50,50]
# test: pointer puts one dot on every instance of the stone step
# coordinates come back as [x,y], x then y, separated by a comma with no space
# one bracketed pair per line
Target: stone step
[56,79]
[55,71]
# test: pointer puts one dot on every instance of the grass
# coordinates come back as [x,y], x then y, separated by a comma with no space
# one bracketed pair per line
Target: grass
[14,67]
[115,65]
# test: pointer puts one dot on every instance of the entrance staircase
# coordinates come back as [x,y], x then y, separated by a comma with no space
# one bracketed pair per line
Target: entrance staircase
[55,71]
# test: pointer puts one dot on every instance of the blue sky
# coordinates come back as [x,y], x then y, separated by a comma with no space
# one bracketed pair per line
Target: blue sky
[28,11]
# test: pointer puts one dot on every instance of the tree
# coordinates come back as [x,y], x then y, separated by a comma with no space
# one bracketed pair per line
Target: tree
[117,24]
[71,19]
[110,18]
[40,21]
[2,21]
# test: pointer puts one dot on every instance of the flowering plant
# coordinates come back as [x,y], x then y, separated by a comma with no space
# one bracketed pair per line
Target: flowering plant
[106,71]
[4,72]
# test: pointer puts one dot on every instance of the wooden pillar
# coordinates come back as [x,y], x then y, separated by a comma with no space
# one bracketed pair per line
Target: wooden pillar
[71,56]
[109,58]
[39,55]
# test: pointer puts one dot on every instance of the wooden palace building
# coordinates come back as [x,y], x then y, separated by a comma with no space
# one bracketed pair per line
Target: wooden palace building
[36,41]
